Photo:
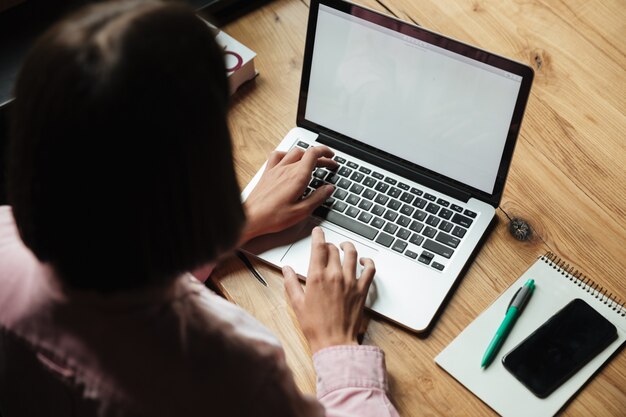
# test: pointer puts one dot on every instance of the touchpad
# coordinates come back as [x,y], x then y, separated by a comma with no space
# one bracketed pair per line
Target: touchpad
[299,255]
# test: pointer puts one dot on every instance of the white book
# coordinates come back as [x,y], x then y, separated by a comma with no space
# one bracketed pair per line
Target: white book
[555,286]
[239,59]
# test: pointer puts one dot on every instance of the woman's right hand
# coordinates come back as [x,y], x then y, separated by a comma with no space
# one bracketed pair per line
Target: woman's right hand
[330,310]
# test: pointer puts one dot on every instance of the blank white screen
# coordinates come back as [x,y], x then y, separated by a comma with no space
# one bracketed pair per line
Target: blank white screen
[416,101]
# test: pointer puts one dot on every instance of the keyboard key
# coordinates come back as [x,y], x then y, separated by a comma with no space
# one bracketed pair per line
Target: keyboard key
[378,210]
[406,209]
[462,220]
[365,217]
[470,213]
[407,197]
[307,192]
[425,259]
[344,171]
[438,248]
[384,239]
[446,226]
[352,165]
[443,202]
[344,183]
[390,228]
[459,231]
[416,239]
[404,186]
[410,254]
[399,246]
[431,207]
[390,180]
[382,187]
[346,222]
[329,202]
[437,266]
[333,178]
[446,239]
[365,170]
[394,204]
[369,182]
[357,176]
[429,232]
[381,199]
[456,208]
[391,215]
[377,175]
[316,183]
[432,220]
[445,213]
[416,191]
[303,145]
[377,222]
[352,199]
[403,234]
[352,211]
[420,203]
[369,194]
[365,204]
[403,221]
[394,192]
[428,255]
[419,215]
[430,197]
[320,173]
[356,188]
[416,226]
[340,206]
[340,194]
[339,159]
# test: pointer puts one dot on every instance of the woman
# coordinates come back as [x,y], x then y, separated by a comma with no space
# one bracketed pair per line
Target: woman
[121,180]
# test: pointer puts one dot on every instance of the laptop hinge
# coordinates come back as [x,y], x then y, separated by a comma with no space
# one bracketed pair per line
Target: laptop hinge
[396,167]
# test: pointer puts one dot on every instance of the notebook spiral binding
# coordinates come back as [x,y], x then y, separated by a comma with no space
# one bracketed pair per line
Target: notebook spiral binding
[586,284]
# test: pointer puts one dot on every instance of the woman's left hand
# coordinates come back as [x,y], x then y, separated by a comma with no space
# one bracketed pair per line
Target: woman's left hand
[275,203]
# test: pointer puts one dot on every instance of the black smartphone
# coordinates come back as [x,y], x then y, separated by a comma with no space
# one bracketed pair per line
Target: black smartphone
[560,347]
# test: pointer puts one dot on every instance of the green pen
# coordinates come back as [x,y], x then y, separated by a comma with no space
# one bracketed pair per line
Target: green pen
[512,313]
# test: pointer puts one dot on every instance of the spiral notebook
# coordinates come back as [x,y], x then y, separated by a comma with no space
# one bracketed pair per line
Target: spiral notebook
[556,285]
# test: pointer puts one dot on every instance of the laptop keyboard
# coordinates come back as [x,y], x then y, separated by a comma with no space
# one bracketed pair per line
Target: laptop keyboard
[391,213]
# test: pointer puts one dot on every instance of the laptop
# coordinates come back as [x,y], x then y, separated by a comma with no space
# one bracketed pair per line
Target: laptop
[423,127]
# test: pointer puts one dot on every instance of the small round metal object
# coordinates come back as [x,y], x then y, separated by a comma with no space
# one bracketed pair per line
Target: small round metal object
[520,229]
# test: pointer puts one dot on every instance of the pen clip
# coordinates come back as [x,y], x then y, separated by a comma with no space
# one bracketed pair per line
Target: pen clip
[513,298]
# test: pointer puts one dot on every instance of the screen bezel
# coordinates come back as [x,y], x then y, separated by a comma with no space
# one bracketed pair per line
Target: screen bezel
[435,39]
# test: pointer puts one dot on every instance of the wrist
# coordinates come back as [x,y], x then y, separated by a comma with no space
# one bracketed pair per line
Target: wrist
[251,227]
[317,346]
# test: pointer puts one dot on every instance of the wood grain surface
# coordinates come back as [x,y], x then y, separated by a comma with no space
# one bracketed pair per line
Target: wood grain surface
[568,176]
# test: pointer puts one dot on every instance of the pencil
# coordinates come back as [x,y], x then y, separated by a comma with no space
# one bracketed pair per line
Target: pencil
[249,265]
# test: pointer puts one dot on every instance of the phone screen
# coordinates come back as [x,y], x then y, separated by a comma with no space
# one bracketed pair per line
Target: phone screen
[560,347]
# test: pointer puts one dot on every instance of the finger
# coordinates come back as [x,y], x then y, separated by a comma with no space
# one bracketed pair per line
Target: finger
[349,261]
[327,163]
[274,158]
[295,293]
[334,259]
[311,156]
[316,198]
[367,274]
[319,251]
[294,155]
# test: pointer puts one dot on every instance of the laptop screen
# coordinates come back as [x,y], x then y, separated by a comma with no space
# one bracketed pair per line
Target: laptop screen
[427,105]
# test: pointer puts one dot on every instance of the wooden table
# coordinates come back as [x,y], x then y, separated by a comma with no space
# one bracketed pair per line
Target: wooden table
[568,176]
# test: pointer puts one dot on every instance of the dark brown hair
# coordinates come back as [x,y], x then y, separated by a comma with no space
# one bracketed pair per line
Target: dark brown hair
[120,161]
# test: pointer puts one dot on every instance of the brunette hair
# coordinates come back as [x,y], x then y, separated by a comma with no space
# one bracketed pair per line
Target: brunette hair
[120,162]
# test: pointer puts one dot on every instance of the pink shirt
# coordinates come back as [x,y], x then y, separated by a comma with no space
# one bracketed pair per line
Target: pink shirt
[179,350]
